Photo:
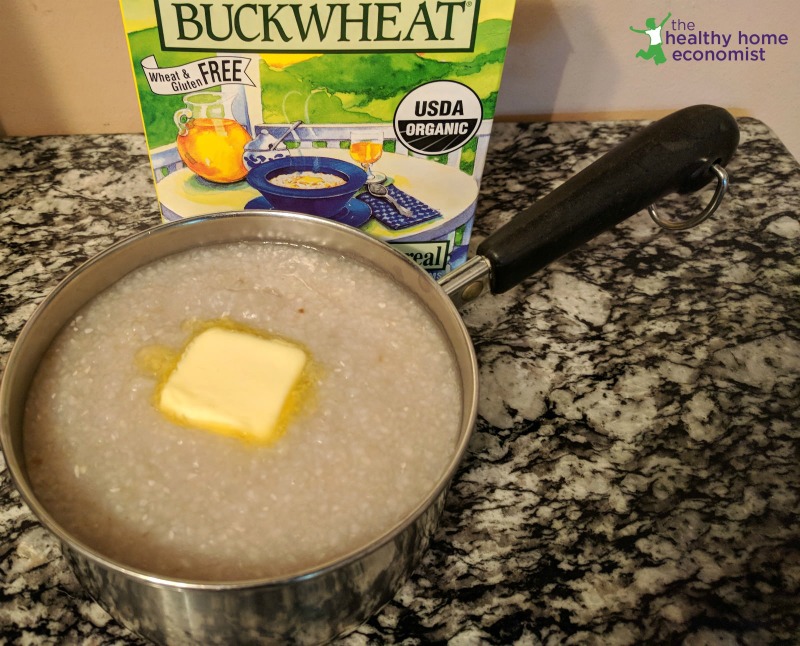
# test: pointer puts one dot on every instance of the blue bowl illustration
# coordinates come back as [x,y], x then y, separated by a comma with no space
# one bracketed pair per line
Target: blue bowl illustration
[325,202]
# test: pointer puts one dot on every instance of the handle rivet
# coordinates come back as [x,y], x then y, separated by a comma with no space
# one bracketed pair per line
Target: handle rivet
[472,291]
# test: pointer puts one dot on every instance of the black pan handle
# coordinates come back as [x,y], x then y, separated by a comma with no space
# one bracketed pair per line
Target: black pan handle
[674,154]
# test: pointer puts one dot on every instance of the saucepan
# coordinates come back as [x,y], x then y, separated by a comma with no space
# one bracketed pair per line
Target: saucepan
[680,153]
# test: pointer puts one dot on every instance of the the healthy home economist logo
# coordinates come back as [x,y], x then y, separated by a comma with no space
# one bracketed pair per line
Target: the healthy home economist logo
[345,25]
[685,41]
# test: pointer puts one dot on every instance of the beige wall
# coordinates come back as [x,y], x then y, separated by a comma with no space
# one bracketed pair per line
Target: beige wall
[578,56]
[66,70]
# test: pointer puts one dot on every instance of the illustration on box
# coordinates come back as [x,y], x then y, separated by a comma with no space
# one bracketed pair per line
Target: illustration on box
[390,142]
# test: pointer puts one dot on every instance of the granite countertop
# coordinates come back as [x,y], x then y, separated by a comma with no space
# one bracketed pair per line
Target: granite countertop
[634,475]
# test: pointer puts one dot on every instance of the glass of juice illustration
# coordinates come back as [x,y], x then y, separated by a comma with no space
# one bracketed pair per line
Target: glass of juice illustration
[366,147]
[210,141]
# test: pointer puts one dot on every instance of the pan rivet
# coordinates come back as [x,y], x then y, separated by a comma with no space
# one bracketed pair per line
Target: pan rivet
[472,291]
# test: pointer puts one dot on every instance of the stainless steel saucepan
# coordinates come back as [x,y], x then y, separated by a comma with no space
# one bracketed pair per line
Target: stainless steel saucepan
[681,153]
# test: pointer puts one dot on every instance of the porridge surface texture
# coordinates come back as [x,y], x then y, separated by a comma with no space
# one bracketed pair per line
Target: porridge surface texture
[377,434]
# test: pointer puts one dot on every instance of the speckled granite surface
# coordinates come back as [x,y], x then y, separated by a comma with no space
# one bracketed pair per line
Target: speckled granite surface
[634,476]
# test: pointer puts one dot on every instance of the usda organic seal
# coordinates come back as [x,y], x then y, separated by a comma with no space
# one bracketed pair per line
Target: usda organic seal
[438,117]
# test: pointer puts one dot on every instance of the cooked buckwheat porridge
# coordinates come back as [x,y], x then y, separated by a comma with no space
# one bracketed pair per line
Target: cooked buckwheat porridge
[307,179]
[367,448]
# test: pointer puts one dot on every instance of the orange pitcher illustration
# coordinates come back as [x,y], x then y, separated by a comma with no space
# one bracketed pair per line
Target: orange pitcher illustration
[210,141]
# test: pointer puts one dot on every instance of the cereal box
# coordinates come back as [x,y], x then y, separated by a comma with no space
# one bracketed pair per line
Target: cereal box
[373,114]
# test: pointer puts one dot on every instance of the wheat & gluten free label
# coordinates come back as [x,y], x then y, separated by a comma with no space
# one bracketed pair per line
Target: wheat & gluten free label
[438,117]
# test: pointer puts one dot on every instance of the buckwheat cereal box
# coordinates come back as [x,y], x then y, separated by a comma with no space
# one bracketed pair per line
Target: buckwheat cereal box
[372,114]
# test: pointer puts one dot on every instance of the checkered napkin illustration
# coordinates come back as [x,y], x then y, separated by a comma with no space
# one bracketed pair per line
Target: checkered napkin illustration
[388,216]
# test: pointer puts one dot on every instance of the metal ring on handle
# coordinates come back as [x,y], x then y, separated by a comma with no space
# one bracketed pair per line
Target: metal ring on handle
[678,225]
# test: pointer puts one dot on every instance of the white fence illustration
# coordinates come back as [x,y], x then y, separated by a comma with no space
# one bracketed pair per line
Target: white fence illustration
[166,159]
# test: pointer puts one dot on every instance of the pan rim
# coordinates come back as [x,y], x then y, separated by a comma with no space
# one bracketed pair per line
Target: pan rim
[14,454]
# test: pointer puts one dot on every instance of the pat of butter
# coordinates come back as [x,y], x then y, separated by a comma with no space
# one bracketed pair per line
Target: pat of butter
[233,382]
